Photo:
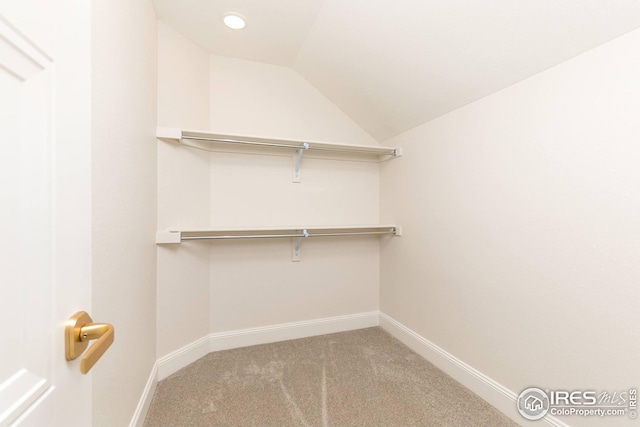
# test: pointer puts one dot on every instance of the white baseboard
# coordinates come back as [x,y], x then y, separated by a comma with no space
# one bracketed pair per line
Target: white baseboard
[182,357]
[493,392]
[145,400]
[177,360]
[290,331]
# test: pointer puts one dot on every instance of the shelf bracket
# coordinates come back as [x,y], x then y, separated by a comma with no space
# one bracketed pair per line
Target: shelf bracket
[297,242]
[297,161]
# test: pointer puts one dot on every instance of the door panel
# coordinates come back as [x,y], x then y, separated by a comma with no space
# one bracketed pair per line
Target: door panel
[38,103]
[25,222]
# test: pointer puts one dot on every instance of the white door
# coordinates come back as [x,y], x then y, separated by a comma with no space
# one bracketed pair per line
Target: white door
[45,228]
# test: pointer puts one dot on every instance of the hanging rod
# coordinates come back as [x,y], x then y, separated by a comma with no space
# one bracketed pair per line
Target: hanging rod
[182,134]
[389,152]
[237,141]
[271,236]
[178,236]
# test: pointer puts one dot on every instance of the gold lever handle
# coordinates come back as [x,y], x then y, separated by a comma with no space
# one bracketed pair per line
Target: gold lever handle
[79,330]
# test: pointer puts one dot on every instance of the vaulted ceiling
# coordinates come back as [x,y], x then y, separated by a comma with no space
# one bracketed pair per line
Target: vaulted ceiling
[393,65]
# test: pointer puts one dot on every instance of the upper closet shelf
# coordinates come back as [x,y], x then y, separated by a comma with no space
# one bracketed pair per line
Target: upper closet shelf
[196,135]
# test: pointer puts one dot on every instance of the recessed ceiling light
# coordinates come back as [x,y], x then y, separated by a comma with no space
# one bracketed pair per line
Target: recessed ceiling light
[234,21]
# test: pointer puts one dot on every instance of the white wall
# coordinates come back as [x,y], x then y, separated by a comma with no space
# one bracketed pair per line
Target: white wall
[520,213]
[208,287]
[183,192]
[256,283]
[123,67]
[249,97]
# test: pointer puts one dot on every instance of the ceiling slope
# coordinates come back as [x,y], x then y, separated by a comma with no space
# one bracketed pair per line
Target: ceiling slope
[393,65]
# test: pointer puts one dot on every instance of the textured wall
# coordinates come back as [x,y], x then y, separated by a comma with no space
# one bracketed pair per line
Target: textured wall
[123,106]
[520,212]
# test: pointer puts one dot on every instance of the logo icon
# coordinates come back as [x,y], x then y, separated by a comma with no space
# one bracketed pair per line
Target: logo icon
[533,403]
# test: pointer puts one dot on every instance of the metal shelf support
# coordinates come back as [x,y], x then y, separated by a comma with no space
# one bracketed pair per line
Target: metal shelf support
[298,160]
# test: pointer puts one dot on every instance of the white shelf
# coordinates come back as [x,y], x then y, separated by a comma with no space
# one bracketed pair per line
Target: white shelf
[296,233]
[179,236]
[179,135]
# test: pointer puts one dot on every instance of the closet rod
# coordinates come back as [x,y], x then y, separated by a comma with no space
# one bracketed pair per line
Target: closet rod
[264,236]
[306,146]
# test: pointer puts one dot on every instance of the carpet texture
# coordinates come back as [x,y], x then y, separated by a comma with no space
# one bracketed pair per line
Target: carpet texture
[357,378]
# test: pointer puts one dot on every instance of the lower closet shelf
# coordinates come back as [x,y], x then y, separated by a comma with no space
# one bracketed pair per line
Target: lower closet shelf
[179,236]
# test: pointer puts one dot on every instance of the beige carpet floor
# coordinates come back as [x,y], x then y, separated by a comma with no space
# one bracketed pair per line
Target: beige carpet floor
[357,378]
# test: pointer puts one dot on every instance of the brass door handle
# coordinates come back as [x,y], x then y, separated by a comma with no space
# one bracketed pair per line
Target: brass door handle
[78,331]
